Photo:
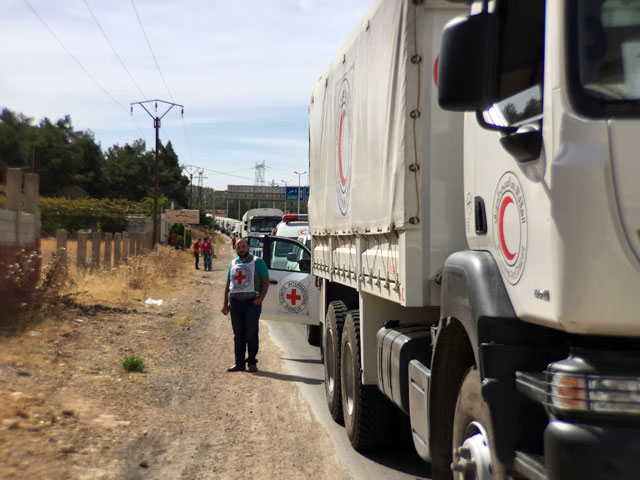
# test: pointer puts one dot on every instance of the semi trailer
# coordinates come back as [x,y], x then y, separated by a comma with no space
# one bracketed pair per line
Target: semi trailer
[475,222]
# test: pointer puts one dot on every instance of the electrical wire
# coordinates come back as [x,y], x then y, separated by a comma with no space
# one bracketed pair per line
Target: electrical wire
[82,67]
[186,134]
[220,173]
[184,125]
[151,50]
[104,34]
[73,56]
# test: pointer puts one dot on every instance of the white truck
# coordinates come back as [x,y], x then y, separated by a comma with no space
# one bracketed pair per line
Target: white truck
[480,271]
[260,221]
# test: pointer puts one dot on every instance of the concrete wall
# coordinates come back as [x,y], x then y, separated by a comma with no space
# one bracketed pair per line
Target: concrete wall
[20,260]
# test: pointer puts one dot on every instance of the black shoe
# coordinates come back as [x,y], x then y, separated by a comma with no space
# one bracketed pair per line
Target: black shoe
[236,368]
[253,367]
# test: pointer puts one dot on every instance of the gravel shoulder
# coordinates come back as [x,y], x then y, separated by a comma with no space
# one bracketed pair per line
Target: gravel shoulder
[69,410]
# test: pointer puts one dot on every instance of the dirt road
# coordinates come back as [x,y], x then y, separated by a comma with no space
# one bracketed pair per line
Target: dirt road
[69,410]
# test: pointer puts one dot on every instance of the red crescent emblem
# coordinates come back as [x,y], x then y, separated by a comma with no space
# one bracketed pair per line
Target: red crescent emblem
[343,180]
[503,206]
[435,70]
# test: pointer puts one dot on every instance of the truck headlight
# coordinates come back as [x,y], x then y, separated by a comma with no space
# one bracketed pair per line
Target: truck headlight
[595,393]
[568,392]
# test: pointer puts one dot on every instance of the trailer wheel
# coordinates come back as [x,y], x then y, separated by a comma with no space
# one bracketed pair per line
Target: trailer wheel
[473,453]
[333,324]
[313,335]
[368,415]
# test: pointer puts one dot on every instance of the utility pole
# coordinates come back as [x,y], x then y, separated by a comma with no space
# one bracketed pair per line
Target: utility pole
[201,178]
[190,169]
[156,125]
[299,192]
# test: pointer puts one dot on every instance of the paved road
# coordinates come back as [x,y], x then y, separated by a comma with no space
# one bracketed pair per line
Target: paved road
[302,362]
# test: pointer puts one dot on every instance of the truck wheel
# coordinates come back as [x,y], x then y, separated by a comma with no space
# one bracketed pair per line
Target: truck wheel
[368,415]
[332,333]
[313,335]
[473,453]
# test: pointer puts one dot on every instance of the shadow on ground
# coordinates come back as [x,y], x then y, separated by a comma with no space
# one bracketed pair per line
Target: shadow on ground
[288,378]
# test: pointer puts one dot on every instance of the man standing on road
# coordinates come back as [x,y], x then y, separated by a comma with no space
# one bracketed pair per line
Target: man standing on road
[196,253]
[247,285]
[207,248]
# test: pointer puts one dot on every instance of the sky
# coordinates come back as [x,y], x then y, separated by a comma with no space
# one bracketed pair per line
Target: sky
[243,70]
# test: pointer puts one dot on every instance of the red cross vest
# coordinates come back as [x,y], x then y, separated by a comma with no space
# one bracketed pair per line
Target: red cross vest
[241,281]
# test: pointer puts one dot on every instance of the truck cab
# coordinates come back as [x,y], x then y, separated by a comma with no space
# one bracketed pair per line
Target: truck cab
[551,215]
[260,221]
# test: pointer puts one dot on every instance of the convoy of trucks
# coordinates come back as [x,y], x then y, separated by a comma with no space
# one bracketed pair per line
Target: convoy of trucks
[230,226]
[478,271]
[259,222]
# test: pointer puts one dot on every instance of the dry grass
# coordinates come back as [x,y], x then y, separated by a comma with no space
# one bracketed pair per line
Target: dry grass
[154,274]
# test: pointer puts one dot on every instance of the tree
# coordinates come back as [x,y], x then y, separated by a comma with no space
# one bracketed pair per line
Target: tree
[130,171]
[172,182]
[71,164]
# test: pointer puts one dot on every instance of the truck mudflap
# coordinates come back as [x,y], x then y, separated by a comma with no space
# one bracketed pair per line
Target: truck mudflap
[587,452]
[419,379]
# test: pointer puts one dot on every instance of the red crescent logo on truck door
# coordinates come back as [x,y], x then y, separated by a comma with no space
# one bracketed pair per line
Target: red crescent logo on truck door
[343,180]
[503,206]
[435,70]
[509,215]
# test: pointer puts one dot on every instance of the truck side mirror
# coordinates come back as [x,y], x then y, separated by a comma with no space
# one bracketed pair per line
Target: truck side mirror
[467,68]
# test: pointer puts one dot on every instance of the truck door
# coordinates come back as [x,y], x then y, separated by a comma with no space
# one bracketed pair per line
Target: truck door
[293,295]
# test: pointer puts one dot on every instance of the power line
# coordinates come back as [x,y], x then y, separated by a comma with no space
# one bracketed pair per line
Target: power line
[64,47]
[186,134]
[221,173]
[184,125]
[151,50]
[73,56]
[114,49]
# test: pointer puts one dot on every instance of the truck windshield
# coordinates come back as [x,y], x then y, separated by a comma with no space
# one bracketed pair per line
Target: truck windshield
[607,49]
[264,225]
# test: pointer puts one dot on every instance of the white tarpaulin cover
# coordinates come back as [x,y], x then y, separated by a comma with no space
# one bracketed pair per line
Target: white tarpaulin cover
[362,136]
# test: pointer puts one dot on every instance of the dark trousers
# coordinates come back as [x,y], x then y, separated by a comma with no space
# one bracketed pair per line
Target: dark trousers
[197,261]
[244,320]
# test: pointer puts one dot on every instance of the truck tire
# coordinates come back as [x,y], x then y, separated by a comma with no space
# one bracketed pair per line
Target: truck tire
[333,324]
[473,453]
[368,414]
[313,335]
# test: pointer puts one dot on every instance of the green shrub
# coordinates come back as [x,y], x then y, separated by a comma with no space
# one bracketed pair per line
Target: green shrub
[178,229]
[133,364]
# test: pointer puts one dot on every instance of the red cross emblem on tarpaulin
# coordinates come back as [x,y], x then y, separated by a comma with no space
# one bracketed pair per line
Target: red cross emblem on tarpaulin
[293,296]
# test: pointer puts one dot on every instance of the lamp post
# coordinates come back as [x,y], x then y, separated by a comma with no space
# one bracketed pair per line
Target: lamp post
[286,182]
[299,175]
